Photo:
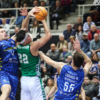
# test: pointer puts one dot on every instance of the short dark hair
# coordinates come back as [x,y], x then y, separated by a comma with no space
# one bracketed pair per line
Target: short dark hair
[78,59]
[20,35]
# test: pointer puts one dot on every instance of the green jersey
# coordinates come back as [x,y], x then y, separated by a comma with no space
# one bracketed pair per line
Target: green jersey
[30,65]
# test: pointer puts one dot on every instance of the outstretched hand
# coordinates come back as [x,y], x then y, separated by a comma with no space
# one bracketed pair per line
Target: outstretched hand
[33,11]
[76,45]
[23,11]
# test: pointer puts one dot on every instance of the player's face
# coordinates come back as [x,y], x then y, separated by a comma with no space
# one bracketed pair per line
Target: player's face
[3,34]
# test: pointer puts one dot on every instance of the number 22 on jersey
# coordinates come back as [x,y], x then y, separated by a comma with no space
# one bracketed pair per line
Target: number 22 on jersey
[23,58]
[68,87]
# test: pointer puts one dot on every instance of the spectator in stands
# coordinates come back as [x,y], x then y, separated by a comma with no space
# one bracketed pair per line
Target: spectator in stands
[42,3]
[69,32]
[45,75]
[70,45]
[85,44]
[79,33]
[53,53]
[95,46]
[56,14]
[25,1]
[16,5]
[25,5]
[36,30]
[99,70]
[16,31]
[87,25]
[61,43]
[66,5]
[35,3]
[5,26]
[93,9]
[94,69]
[69,60]
[5,4]
[79,22]
[64,55]
[89,88]
[92,32]
[50,3]
[49,86]
[96,83]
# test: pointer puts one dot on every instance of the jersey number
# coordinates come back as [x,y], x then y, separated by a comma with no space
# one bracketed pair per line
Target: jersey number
[71,87]
[23,58]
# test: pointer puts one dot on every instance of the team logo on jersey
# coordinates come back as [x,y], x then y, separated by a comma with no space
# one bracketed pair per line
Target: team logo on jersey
[12,41]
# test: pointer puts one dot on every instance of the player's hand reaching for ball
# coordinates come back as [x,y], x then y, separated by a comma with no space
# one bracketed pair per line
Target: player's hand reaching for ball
[23,11]
[77,45]
[33,11]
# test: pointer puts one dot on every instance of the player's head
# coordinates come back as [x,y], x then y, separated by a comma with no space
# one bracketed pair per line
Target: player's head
[23,37]
[78,59]
[3,34]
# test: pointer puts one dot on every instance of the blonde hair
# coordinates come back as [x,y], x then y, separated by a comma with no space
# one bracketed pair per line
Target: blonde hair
[72,37]
[52,83]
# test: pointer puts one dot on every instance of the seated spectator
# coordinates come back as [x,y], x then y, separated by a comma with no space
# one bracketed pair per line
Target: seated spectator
[70,45]
[85,44]
[25,1]
[49,86]
[92,32]
[94,69]
[69,60]
[79,22]
[45,75]
[79,33]
[53,53]
[56,14]
[50,3]
[96,83]
[61,43]
[42,3]
[16,31]
[36,30]
[5,4]
[5,26]
[66,5]
[69,32]
[25,5]
[64,55]
[93,9]
[94,46]
[87,25]
[98,70]
[89,88]
[35,3]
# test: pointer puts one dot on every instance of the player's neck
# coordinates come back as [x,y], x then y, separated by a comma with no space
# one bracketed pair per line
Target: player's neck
[74,67]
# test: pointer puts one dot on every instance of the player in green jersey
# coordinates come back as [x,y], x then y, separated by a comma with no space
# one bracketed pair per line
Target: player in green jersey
[31,83]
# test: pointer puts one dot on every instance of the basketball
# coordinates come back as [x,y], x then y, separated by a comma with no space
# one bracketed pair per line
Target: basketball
[41,15]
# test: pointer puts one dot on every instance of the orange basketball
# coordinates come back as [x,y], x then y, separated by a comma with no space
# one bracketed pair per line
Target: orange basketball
[41,15]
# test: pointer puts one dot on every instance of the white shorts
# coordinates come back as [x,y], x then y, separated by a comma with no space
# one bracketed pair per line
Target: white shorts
[32,88]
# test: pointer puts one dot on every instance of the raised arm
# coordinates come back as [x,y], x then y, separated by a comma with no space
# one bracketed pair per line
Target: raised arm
[49,61]
[83,94]
[86,58]
[24,12]
[42,41]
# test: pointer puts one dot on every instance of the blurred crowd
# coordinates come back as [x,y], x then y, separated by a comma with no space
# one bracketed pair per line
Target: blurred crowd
[85,31]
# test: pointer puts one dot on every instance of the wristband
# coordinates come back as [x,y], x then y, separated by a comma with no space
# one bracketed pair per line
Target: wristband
[24,17]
